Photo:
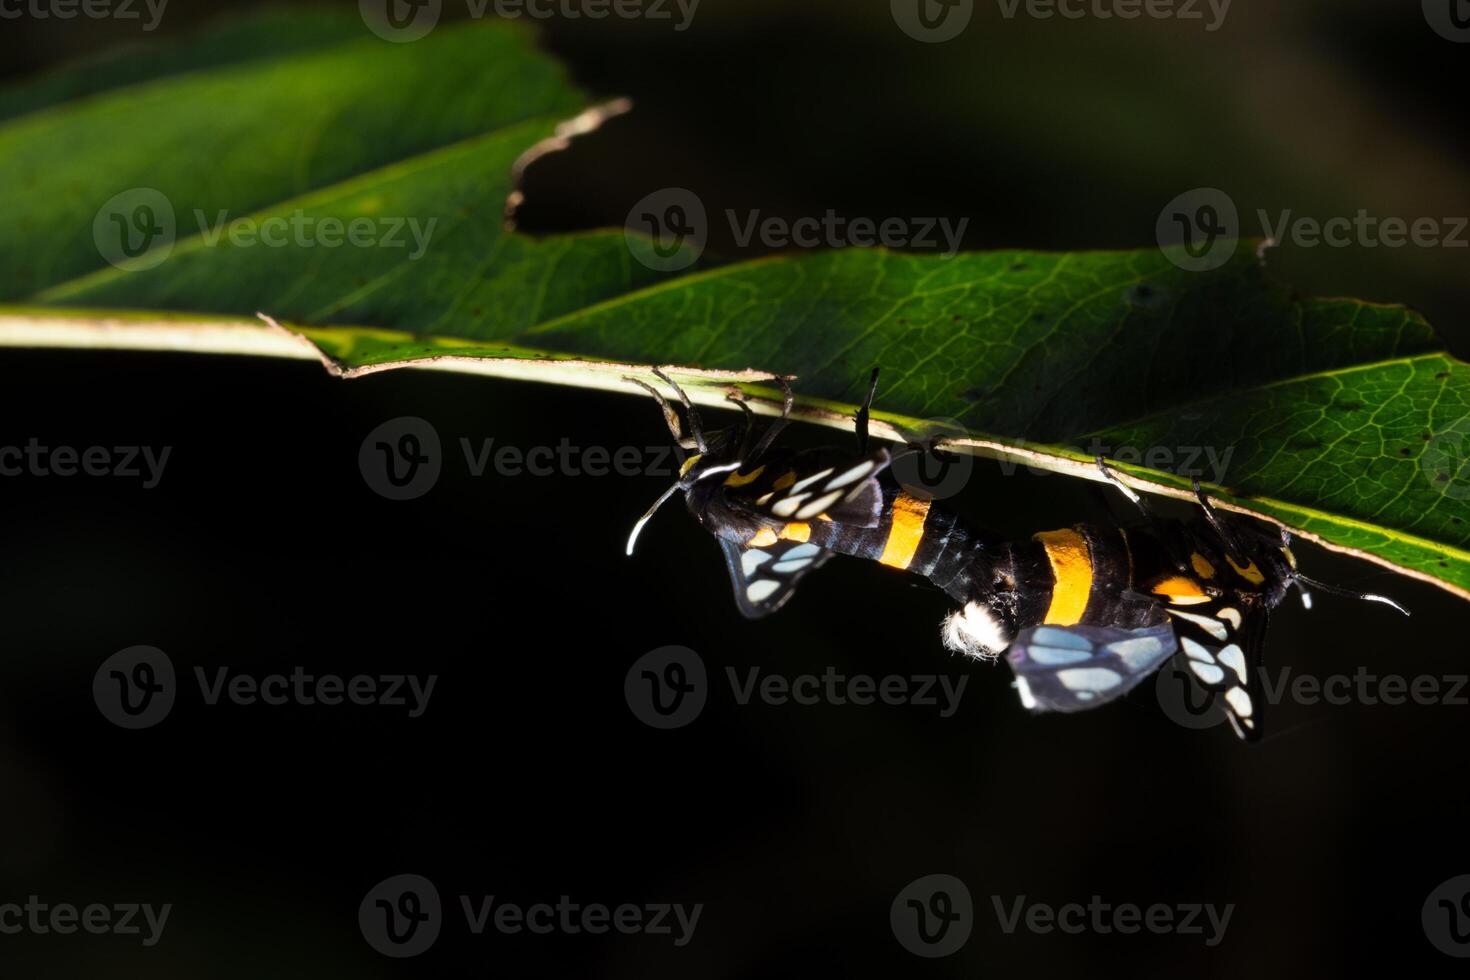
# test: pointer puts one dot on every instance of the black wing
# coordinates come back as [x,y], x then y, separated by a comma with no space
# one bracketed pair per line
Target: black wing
[1221,644]
[785,491]
[813,486]
[1073,668]
[764,576]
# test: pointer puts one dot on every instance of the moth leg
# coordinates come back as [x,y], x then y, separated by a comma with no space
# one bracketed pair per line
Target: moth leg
[1123,488]
[916,441]
[861,422]
[1177,551]
[915,445]
[671,417]
[694,424]
[747,420]
[1233,549]
[769,436]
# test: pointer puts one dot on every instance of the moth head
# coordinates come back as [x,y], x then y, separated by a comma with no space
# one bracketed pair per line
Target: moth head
[698,467]
[702,466]
[1285,567]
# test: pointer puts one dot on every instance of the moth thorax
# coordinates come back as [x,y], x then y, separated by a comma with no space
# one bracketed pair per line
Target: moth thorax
[976,631]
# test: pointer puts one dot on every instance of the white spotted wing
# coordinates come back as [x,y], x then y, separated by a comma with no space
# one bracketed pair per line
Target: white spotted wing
[1220,644]
[1074,668]
[845,492]
[764,577]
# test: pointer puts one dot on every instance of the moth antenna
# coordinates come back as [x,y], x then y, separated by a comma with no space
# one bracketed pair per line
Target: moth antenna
[633,537]
[1348,593]
[695,426]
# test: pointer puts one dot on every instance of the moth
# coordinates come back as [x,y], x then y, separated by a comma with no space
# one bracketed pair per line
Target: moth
[1082,614]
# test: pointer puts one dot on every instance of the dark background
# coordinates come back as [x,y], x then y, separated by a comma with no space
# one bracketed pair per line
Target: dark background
[528,777]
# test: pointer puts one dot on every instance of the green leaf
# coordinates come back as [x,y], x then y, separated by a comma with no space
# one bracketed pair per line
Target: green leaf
[267,35]
[1344,420]
[419,139]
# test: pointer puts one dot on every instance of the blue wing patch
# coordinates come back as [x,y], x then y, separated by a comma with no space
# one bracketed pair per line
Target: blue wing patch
[765,577]
[1074,668]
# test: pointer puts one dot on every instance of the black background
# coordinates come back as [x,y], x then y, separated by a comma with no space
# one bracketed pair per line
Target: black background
[528,777]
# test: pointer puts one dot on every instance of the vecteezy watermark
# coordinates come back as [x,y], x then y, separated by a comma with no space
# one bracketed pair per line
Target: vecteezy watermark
[143,463]
[668,688]
[1445,461]
[566,459]
[150,12]
[933,467]
[933,21]
[402,459]
[672,919]
[1198,230]
[932,916]
[833,230]
[137,229]
[409,692]
[137,688]
[1205,462]
[1446,917]
[1189,706]
[298,229]
[926,468]
[1364,230]
[1105,918]
[402,916]
[668,230]
[1450,19]
[940,691]
[408,20]
[400,21]
[41,918]
[1211,13]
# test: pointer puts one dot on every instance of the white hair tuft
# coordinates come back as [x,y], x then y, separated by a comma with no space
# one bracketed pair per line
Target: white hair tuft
[975,631]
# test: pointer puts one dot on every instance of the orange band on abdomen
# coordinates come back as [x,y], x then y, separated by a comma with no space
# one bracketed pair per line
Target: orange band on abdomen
[1071,569]
[907,530]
